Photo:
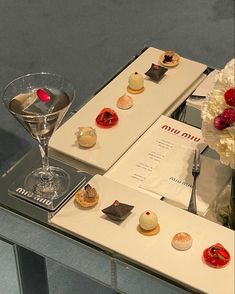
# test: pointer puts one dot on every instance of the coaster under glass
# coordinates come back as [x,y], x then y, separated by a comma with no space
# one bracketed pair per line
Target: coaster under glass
[17,188]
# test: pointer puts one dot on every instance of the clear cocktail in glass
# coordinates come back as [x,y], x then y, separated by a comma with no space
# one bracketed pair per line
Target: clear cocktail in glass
[39,102]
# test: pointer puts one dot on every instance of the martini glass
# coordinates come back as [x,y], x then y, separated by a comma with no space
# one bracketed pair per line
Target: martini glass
[39,102]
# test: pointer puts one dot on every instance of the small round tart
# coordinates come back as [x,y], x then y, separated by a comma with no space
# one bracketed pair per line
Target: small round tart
[124,102]
[135,83]
[182,241]
[87,197]
[169,58]
[86,137]
[152,232]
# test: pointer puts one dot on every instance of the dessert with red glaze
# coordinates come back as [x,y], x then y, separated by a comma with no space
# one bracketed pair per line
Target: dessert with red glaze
[216,256]
[107,118]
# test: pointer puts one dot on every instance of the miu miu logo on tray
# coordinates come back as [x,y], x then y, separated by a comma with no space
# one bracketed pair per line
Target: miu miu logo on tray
[31,195]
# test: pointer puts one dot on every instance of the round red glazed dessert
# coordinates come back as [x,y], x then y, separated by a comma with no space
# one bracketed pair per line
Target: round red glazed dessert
[216,256]
[107,118]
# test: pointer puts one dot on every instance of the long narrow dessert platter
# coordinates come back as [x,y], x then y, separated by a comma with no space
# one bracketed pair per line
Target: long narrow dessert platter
[162,238]
[104,128]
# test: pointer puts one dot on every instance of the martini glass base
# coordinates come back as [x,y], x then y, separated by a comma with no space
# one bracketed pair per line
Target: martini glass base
[51,186]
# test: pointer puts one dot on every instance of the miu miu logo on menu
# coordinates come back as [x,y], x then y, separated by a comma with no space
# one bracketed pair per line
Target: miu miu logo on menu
[180,133]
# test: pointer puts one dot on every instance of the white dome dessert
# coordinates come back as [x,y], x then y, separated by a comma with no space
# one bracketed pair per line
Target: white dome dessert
[148,220]
[135,83]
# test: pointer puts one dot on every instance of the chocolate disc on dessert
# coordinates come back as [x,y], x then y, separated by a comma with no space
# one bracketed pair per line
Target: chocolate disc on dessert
[118,211]
[156,72]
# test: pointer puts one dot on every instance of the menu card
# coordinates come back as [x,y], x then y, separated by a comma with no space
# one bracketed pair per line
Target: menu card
[139,161]
[172,178]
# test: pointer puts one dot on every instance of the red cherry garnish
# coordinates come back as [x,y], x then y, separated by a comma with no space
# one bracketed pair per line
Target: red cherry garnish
[43,95]
[229,96]
[148,213]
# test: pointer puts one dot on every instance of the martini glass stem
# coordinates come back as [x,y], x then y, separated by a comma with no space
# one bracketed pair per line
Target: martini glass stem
[46,174]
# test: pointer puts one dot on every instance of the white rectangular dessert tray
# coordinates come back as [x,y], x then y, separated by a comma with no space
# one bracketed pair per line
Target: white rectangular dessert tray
[153,252]
[148,106]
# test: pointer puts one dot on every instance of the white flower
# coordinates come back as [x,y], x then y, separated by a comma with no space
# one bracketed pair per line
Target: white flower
[223,141]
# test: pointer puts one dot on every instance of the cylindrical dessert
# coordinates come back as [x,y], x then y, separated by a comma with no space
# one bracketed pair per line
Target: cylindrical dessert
[135,83]
[148,223]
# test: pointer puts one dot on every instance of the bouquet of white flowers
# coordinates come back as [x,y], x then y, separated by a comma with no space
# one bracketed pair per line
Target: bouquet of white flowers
[218,115]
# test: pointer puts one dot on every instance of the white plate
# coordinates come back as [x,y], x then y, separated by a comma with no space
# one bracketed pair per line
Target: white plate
[153,252]
[148,106]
